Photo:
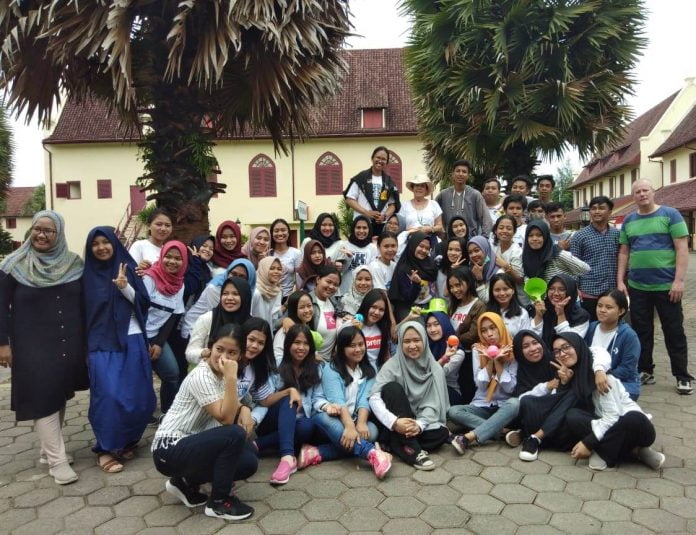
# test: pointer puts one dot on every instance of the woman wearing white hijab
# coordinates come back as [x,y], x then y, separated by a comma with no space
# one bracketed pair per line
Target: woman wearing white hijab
[410,399]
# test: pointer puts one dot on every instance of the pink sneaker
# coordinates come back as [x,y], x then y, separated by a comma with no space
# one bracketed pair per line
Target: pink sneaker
[381,462]
[309,455]
[282,474]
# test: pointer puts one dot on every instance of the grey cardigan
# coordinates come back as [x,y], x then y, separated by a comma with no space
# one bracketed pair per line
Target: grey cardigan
[475,212]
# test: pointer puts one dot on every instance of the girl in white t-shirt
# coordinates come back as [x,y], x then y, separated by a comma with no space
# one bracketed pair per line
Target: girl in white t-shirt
[502,299]
[159,229]
[326,318]
[196,442]
[376,327]
[382,267]
[290,257]
[358,250]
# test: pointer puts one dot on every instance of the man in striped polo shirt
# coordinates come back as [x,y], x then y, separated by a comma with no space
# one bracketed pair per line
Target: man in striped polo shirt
[653,246]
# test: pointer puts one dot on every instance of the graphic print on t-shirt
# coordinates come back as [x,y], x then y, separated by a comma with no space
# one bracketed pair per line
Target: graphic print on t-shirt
[358,259]
[373,342]
[330,319]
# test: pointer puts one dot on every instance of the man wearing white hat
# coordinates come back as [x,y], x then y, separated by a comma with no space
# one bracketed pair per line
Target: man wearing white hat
[462,200]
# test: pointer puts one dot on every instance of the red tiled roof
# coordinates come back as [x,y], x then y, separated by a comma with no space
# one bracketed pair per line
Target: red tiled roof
[682,134]
[15,200]
[375,79]
[574,215]
[681,196]
[625,152]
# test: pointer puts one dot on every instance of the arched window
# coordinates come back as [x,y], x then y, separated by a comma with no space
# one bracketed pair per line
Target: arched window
[329,175]
[393,169]
[262,177]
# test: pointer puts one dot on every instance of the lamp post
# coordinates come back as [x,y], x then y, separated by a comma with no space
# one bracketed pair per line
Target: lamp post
[585,215]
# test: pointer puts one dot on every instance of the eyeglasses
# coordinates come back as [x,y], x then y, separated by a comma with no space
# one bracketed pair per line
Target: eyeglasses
[45,231]
[562,351]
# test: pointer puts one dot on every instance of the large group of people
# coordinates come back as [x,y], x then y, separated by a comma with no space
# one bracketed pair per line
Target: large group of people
[412,333]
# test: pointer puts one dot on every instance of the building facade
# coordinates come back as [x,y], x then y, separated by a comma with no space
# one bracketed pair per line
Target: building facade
[16,219]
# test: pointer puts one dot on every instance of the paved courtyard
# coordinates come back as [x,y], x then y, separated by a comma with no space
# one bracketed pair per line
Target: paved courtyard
[489,490]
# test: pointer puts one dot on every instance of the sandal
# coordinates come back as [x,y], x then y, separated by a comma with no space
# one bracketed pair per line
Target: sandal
[108,463]
[127,454]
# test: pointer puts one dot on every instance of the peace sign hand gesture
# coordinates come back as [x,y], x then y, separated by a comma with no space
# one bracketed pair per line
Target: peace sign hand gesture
[121,281]
[564,373]
[193,250]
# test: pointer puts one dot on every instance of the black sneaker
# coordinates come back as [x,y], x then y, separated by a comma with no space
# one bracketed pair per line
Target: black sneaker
[230,509]
[190,496]
[647,378]
[684,388]
[530,448]
[423,461]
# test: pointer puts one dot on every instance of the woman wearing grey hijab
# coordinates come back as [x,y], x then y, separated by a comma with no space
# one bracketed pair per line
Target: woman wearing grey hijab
[410,399]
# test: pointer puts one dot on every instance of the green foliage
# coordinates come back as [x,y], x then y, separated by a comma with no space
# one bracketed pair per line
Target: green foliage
[6,242]
[564,178]
[501,82]
[37,202]
[344,217]
[6,160]
[145,212]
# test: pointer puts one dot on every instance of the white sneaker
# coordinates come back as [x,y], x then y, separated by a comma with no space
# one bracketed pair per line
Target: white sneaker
[650,457]
[63,474]
[597,463]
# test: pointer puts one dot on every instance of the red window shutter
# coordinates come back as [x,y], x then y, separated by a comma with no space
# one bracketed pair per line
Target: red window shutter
[11,222]
[322,179]
[394,170]
[269,182]
[255,183]
[103,189]
[328,175]
[335,180]
[62,190]
[262,177]
[372,118]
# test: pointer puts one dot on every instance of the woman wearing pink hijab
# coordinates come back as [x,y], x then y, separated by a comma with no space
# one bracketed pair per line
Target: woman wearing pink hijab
[258,245]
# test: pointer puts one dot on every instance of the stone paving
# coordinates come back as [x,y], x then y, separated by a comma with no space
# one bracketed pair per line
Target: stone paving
[489,490]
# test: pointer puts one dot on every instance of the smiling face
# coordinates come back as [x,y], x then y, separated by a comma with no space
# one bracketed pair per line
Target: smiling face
[223,349]
[433,328]
[520,187]
[387,249]
[255,342]
[205,251]
[476,255]
[556,292]
[281,233]
[363,281]
[327,227]
[532,350]
[564,352]
[502,293]
[504,231]
[327,286]
[458,288]
[490,335]
[355,351]
[275,272]
[422,250]
[459,228]
[393,224]
[362,230]
[420,190]
[305,309]
[43,235]
[299,348]
[379,160]
[316,255]
[230,300]
[228,239]
[172,261]
[412,344]
[599,213]
[261,242]
[102,248]
[160,229]
[454,251]
[376,312]
[535,239]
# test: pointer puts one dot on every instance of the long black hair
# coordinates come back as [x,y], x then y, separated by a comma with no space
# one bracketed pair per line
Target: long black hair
[309,371]
[282,221]
[229,330]
[293,302]
[445,264]
[338,362]
[465,275]
[370,299]
[264,363]
[515,307]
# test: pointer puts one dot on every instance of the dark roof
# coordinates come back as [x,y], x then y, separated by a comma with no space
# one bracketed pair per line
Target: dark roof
[682,134]
[574,216]
[16,199]
[681,196]
[376,78]
[625,152]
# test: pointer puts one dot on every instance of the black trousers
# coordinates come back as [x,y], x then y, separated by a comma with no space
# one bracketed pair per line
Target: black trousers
[548,413]
[632,430]
[590,304]
[407,448]
[221,456]
[643,306]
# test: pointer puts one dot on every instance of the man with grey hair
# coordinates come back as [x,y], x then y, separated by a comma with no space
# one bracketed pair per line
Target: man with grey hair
[653,246]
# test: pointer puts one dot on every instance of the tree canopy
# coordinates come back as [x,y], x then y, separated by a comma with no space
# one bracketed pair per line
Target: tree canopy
[187,70]
[502,82]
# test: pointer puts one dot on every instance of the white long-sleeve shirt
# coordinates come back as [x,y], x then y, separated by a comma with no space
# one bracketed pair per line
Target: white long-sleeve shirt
[199,337]
[611,406]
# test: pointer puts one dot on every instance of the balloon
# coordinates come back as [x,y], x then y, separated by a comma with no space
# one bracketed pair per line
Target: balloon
[452,341]
[492,351]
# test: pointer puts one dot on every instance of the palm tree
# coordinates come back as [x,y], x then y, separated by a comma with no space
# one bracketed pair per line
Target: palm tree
[503,82]
[6,152]
[184,72]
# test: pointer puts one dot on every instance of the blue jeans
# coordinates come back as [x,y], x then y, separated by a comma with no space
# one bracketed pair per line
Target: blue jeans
[283,429]
[333,427]
[485,422]
[167,369]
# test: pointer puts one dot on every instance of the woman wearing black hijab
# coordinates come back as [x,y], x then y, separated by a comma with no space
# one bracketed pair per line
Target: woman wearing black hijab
[325,231]
[414,276]
[359,250]
[559,311]
[542,258]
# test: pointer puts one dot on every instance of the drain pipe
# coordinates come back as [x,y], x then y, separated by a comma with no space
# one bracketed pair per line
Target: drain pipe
[50,175]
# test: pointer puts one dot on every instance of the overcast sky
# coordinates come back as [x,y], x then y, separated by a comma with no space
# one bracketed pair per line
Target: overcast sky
[667,60]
